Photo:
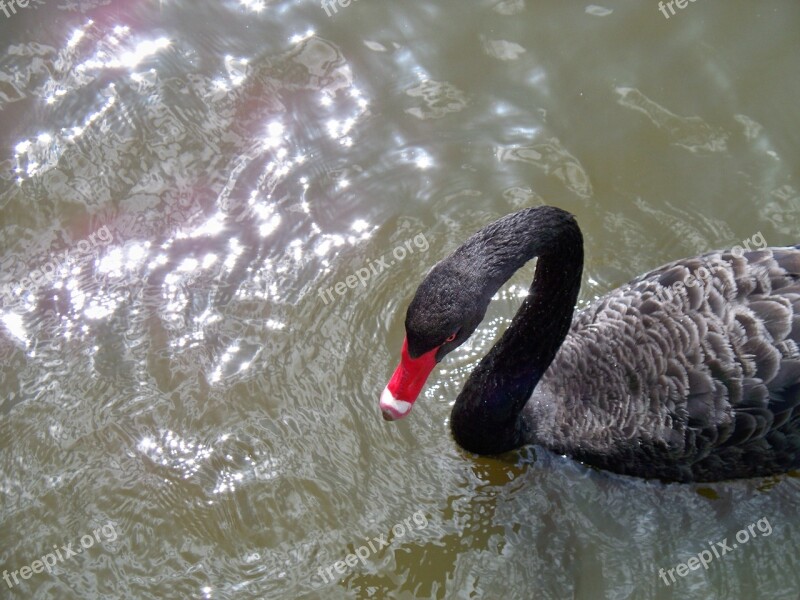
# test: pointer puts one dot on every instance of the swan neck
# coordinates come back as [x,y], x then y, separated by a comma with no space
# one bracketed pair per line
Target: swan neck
[487,415]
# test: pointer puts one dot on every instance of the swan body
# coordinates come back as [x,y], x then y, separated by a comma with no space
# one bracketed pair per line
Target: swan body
[690,372]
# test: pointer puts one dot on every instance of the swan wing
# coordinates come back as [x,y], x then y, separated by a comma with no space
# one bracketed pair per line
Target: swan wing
[687,372]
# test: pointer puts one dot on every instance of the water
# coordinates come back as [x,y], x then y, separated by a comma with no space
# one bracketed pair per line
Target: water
[181,400]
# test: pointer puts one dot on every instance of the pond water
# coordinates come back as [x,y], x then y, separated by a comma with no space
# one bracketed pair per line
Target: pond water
[190,404]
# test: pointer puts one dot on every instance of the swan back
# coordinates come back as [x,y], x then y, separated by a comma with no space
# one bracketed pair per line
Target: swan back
[689,372]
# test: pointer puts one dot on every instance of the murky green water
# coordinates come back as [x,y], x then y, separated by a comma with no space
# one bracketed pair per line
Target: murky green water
[180,182]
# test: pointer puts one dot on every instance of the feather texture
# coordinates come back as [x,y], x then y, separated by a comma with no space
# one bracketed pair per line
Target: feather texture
[695,383]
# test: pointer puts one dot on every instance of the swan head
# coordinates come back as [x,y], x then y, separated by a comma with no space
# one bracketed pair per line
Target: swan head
[445,311]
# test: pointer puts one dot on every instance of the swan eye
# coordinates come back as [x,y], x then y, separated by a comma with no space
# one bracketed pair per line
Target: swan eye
[451,338]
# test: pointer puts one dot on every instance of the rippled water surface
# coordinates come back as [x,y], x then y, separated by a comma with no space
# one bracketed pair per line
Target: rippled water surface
[181,182]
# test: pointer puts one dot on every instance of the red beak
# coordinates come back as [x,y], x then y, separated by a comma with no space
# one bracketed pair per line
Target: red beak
[405,385]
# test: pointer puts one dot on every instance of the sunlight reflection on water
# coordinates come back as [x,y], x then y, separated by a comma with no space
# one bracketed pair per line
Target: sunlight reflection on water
[186,378]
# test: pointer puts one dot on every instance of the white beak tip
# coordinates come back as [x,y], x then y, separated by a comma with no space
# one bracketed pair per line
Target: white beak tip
[392,408]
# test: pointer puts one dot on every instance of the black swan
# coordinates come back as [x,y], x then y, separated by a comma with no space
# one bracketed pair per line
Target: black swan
[692,383]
